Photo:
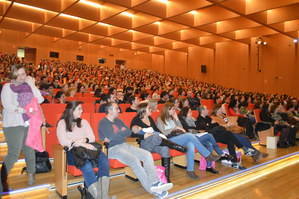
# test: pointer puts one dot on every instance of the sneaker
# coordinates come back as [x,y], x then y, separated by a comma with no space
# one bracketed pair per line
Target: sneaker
[237,166]
[226,157]
[250,152]
[160,187]
[192,175]
[161,195]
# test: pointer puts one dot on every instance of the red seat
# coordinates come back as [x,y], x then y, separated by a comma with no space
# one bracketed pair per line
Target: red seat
[257,113]
[156,156]
[195,114]
[123,107]
[160,107]
[174,153]
[88,107]
[208,103]
[94,122]
[221,145]
[127,117]
[155,115]
[115,164]
[74,171]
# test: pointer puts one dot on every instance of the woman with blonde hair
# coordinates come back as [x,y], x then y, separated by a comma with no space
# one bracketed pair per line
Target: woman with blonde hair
[170,125]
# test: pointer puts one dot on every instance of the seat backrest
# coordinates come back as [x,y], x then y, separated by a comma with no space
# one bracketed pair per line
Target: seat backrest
[88,107]
[250,107]
[195,114]
[95,119]
[208,103]
[257,116]
[127,117]
[51,110]
[123,107]
[155,115]
[226,109]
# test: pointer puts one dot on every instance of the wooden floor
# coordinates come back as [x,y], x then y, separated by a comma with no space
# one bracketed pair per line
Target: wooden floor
[282,184]
[124,188]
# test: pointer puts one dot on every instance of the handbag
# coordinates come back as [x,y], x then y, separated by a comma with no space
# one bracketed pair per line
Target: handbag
[82,154]
[42,164]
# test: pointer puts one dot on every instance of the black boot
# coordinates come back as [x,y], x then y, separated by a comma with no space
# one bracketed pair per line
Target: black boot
[166,163]
[173,145]
[4,175]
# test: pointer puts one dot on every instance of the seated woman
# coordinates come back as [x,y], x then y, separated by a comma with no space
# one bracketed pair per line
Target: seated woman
[243,120]
[222,135]
[169,124]
[144,127]
[73,131]
[205,138]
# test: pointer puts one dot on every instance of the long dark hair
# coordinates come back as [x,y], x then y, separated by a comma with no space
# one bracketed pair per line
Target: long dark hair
[184,112]
[68,116]
[165,112]
[141,109]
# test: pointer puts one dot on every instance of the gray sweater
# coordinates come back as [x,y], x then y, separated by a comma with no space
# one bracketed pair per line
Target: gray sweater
[170,125]
[115,131]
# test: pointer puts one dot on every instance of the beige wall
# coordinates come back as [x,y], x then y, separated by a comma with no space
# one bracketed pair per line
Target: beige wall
[231,64]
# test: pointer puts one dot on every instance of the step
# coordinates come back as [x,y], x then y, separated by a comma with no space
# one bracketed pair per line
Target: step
[2,137]
[36,192]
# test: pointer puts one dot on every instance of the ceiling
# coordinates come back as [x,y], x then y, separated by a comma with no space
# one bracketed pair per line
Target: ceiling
[152,26]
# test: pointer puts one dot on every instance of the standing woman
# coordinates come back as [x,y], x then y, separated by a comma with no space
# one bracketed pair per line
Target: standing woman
[15,121]
[73,131]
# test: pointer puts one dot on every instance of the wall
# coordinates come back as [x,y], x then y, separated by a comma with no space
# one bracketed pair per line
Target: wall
[230,64]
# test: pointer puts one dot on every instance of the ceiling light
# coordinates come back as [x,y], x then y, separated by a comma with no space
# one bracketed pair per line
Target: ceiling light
[130,30]
[157,23]
[194,12]
[31,7]
[295,41]
[163,1]
[91,3]
[127,14]
[265,43]
[103,24]
[69,16]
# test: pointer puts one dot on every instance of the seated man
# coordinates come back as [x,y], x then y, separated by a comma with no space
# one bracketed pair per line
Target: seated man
[113,131]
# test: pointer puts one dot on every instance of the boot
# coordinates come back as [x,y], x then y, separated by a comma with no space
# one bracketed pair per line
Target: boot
[166,163]
[104,183]
[92,189]
[212,157]
[173,145]
[31,179]
[4,175]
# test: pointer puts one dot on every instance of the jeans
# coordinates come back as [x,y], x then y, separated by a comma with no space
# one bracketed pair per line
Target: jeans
[244,140]
[210,143]
[191,142]
[133,156]
[87,169]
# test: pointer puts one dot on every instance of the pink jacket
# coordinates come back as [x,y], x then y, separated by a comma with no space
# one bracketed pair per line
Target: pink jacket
[34,137]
